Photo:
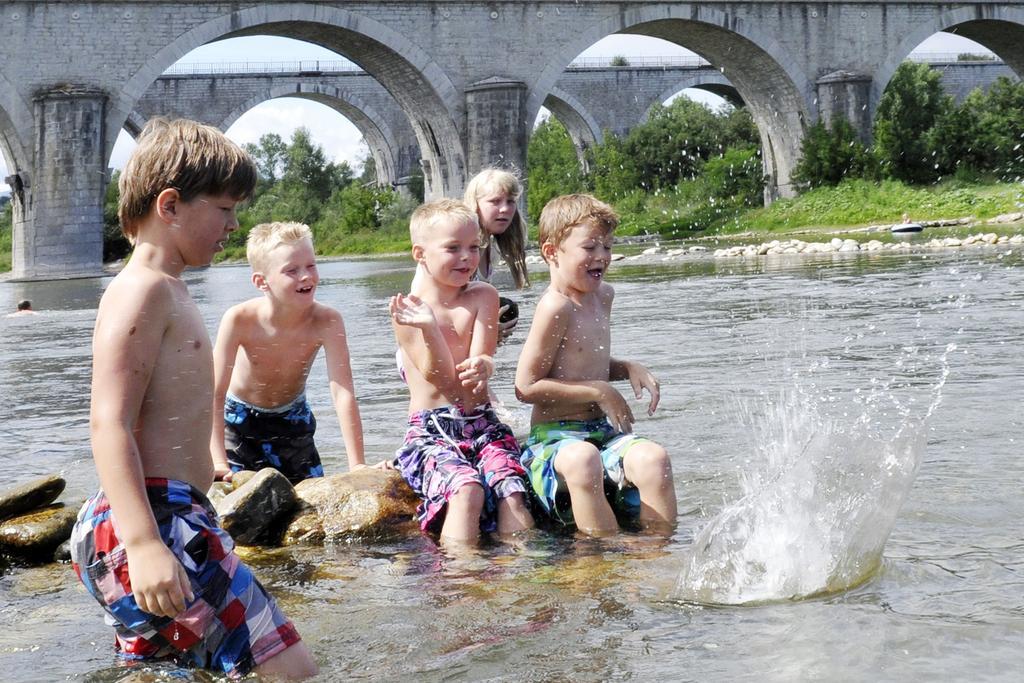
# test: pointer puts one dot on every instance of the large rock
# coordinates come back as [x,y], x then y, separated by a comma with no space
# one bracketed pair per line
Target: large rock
[30,496]
[37,534]
[367,502]
[255,511]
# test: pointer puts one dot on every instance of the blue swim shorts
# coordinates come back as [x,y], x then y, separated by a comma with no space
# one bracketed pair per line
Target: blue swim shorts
[544,444]
[280,437]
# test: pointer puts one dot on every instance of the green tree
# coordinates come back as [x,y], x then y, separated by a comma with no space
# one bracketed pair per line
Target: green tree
[552,166]
[269,156]
[115,244]
[737,176]
[6,235]
[613,172]
[284,202]
[910,106]
[1001,127]
[830,154]
[677,139]
[306,165]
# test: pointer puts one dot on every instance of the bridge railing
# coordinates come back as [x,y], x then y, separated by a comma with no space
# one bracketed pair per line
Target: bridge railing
[948,57]
[343,66]
[304,66]
[634,62]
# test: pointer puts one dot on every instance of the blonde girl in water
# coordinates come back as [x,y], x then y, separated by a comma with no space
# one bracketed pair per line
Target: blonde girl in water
[494,193]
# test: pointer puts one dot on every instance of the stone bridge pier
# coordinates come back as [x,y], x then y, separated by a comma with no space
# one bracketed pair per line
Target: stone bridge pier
[469,78]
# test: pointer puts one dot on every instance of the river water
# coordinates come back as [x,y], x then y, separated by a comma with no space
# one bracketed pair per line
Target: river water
[810,405]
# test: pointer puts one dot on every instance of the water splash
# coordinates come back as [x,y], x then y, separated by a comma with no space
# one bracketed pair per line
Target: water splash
[817,510]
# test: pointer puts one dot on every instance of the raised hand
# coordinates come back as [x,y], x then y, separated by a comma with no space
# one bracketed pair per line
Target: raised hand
[411,310]
[640,378]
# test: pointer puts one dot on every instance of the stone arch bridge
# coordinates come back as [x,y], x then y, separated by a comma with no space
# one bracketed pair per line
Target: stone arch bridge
[469,76]
[590,99]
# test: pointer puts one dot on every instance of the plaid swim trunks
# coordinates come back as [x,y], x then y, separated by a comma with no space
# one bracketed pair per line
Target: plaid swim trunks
[232,625]
[280,437]
[547,439]
[444,450]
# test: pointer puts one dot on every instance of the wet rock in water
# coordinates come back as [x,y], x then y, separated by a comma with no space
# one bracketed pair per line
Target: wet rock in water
[63,552]
[365,502]
[36,534]
[31,495]
[256,509]
[219,490]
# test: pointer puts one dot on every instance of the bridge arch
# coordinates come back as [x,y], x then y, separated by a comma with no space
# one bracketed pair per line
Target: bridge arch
[15,115]
[582,127]
[999,28]
[713,83]
[370,123]
[777,92]
[418,84]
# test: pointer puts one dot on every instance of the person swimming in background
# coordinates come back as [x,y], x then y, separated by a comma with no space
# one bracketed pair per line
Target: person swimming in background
[24,308]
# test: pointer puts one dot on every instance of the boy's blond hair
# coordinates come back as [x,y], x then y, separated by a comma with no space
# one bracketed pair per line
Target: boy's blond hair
[428,216]
[511,243]
[266,237]
[185,155]
[562,214]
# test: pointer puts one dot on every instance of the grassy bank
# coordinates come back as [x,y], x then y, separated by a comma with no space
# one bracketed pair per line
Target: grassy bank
[685,213]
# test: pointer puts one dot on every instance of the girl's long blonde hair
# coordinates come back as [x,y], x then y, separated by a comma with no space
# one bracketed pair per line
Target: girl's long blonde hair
[511,243]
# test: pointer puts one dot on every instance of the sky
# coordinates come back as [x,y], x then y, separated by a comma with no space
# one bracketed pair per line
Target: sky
[340,139]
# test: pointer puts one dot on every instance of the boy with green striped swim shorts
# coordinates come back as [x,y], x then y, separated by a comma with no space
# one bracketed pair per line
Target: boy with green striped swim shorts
[545,442]
[581,457]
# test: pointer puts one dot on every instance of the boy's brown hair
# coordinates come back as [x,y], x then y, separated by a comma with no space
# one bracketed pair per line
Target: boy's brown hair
[562,214]
[266,237]
[428,215]
[185,155]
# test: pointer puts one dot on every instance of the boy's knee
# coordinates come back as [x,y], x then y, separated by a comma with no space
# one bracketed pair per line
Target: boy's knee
[469,496]
[648,464]
[580,464]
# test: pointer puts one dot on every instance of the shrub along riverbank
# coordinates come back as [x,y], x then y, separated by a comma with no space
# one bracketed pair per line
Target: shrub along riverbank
[671,215]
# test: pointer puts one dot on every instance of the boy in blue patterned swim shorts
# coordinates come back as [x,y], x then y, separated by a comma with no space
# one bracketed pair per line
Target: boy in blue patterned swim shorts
[458,457]
[581,451]
[147,546]
[265,348]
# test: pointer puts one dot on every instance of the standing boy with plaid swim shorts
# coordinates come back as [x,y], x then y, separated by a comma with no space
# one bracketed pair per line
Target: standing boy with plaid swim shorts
[458,457]
[581,450]
[147,546]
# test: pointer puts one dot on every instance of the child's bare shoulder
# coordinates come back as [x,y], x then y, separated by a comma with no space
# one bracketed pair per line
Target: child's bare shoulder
[140,284]
[480,291]
[242,313]
[325,316]
[554,304]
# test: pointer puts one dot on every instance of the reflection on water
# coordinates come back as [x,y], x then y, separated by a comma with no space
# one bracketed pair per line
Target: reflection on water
[768,369]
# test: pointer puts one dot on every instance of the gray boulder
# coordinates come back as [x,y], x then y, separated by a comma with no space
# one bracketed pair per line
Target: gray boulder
[255,510]
[364,503]
[31,495]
